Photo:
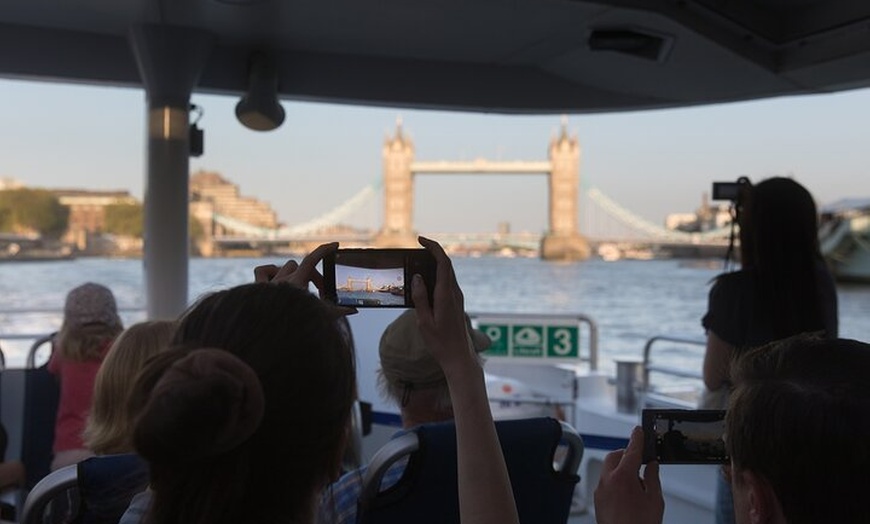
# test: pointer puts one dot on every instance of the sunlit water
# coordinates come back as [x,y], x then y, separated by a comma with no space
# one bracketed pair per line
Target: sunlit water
[630,300]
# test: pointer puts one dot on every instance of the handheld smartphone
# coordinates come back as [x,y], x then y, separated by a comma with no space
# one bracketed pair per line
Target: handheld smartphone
[376,277]
[684,436]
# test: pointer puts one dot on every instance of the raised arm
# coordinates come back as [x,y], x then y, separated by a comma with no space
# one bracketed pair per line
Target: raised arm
[485,495]
[622,495]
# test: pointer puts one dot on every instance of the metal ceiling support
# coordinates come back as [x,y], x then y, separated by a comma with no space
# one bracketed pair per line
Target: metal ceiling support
[170,60]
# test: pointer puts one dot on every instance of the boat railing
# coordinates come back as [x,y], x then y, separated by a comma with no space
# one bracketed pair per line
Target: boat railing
[648,367]
[564,408]
[39,339]
[542,351]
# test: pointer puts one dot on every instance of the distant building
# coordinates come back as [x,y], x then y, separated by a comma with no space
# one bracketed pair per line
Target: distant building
[705,218]
[10,183]
[87,213]
[681,221]
[211,195]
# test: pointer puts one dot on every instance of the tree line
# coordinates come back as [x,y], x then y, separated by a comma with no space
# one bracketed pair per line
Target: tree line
[27,210]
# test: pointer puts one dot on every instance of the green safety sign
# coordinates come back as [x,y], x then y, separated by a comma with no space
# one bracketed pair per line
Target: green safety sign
[532,340]
[527,341]
[562,341]
[499,337]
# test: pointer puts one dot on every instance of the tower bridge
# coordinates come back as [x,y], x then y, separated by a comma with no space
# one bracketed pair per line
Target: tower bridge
[561,241]
[603,219]
[367,285]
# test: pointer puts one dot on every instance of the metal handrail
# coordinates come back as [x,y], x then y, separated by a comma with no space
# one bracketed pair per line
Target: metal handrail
[41,337]
[578,317]
[38,340]
[31,354]
[648,367]
[59,311]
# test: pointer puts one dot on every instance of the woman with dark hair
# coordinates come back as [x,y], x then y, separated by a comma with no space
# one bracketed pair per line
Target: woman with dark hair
[782,289]
[253,430]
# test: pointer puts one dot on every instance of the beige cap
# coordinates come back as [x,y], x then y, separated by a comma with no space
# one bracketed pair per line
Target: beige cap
[405,359]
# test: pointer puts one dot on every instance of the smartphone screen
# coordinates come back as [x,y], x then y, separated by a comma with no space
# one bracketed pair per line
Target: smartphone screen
[376,277]
[683,436]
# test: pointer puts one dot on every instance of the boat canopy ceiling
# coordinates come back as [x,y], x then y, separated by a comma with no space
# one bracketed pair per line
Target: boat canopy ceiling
[510,56]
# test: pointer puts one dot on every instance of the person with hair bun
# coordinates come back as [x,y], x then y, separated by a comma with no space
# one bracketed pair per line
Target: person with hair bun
[220,455]
[194,405]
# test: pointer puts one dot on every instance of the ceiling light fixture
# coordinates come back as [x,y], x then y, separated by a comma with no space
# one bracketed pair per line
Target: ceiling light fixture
[260,109]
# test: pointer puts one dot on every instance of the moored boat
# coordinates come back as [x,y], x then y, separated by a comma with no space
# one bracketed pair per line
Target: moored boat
[32,248]
[844,235]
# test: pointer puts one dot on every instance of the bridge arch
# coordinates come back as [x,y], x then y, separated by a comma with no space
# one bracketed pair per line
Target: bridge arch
[562,240]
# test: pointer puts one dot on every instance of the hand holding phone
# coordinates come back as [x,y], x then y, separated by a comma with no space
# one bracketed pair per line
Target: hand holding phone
[375,277]
[301,274]
[684,436]
[620,496]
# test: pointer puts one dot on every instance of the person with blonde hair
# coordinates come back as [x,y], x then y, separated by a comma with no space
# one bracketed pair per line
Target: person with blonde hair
[109,426]
[90,325]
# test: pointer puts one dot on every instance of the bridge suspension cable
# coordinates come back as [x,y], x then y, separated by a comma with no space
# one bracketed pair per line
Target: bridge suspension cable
[641,225]
[331,218]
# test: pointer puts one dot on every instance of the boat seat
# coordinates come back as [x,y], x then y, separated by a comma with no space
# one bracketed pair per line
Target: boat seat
[427,492]
[97,490]
[28,409]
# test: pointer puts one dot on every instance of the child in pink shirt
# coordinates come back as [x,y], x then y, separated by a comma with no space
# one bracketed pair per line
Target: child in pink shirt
[90,324]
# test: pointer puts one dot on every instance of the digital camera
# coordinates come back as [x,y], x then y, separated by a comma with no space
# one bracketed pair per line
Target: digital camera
[732,191]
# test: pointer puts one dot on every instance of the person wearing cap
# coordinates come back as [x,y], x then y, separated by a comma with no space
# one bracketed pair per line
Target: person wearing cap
[412,379]
[90,325]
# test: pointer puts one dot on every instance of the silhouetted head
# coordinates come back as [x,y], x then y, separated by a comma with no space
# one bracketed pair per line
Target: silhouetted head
[290,340]
[410,376]
[799,423]
[779,244]
[778,220]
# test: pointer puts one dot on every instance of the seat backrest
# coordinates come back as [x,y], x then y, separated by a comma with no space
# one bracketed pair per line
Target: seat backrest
[28,410]
[95,491]
[428,493]
[106,485]
[48,490]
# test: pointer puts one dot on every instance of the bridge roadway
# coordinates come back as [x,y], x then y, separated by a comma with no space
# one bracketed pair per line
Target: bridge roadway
[691,248]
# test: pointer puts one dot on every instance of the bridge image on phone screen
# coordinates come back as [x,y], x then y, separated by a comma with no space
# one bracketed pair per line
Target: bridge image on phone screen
[362,286]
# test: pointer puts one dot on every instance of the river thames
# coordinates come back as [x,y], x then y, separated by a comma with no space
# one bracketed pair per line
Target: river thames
[630,300]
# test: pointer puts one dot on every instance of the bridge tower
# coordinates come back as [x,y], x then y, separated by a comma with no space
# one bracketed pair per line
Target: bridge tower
[563,241]
[398,228]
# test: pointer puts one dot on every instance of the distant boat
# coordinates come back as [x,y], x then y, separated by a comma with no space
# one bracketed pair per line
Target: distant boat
[31,248]
[609,252]
[844,237]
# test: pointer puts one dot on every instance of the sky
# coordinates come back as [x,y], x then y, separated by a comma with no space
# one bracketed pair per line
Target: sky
[652,162]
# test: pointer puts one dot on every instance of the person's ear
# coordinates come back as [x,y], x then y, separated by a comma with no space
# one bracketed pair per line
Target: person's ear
[762,502]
